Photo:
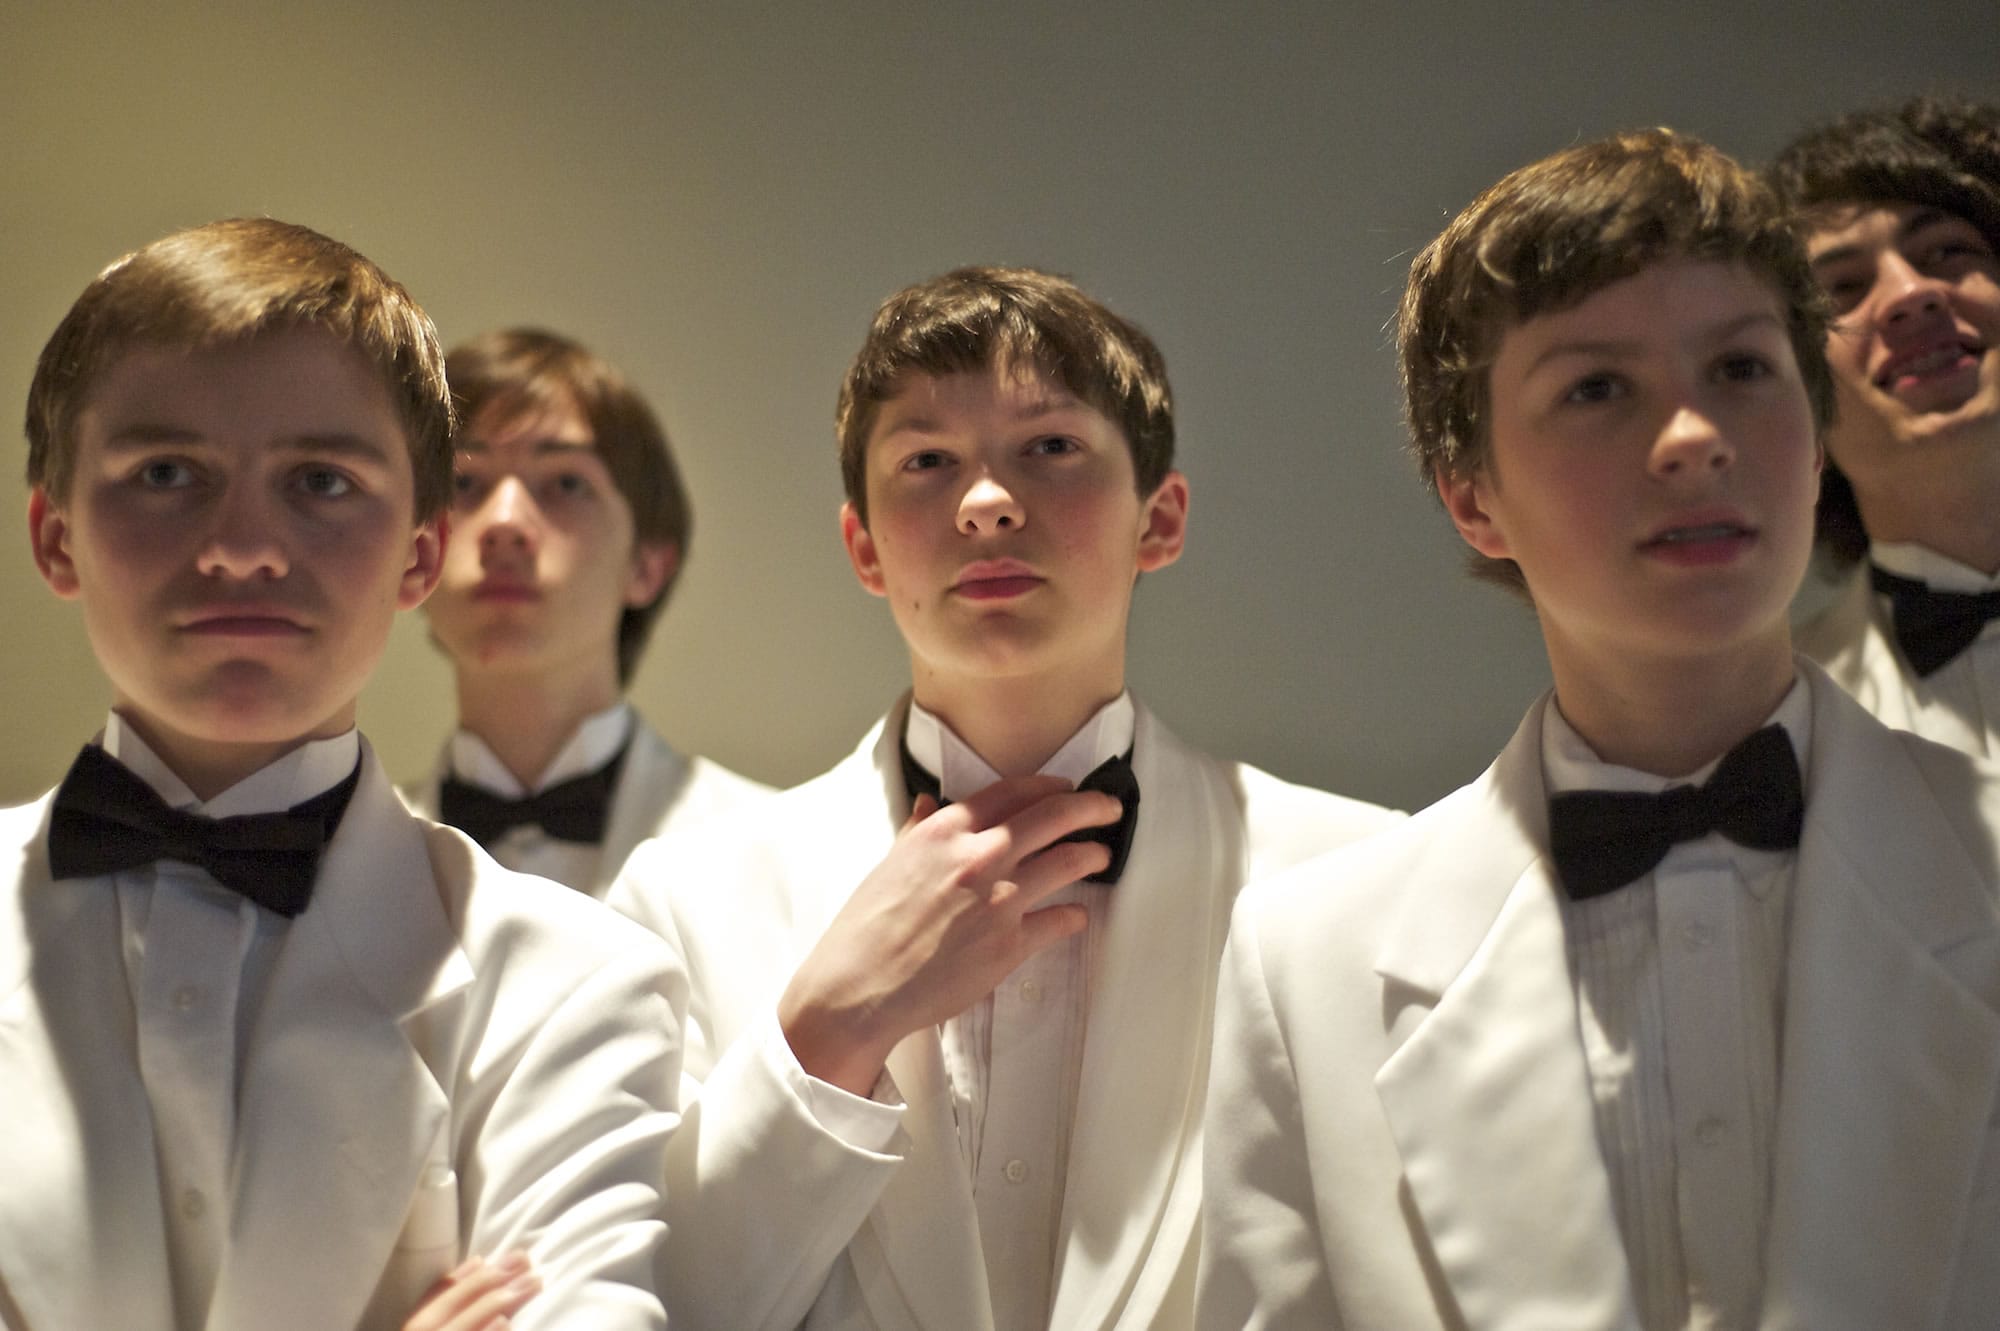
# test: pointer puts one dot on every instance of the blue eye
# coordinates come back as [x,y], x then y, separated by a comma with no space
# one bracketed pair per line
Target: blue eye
[1054,445]
[1596,388]
[324,482]
[166,474]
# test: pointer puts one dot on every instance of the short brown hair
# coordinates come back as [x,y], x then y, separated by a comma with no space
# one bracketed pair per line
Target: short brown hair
[1552,234]
[1936,151]
[520,371]
[229,281]
[977,318]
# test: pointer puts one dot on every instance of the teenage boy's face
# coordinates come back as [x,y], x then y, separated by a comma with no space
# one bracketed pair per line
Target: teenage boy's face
[1916,349]
[1652,468]
[544,562]
[240,532]
[1006,529]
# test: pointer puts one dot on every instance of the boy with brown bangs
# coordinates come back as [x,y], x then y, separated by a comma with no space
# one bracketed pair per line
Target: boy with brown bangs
[966,1093]
[570,524]
[1902,211]
[1687,1012]
[276,1052]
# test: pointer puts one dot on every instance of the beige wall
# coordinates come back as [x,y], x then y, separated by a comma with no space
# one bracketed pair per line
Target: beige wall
[717,196]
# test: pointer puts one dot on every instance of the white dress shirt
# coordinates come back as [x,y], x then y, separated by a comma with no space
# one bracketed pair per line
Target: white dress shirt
[1679,980]
[1014,1059]
[1968,685]
[196,957]
[527,848]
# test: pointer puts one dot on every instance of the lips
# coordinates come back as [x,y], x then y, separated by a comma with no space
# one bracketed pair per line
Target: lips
[996,579]
[243,621]
[1701,538]
[1932,361]
[505,592]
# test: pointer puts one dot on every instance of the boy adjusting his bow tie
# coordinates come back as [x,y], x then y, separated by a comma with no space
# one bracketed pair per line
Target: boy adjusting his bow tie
[1902,210]
[1687,1012]
[276,1052]
[570,525]
[946,1057]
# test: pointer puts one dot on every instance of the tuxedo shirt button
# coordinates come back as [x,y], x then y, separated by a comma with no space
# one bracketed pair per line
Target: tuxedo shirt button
[1698,935]
[193,1205]
[1709,1131]
[186,997]
[1031,991]
[1016,1171]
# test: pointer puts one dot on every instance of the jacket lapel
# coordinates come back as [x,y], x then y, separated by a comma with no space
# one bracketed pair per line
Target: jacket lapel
[1477,961]
[1134,1185]
[652,779]
[81,1237]
[1891,1061]
[339,1112]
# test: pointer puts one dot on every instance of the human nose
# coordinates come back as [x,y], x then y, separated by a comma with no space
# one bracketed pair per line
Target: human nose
[511,523]
[1903,295]
[243,540]
[1691,443]
[989,506]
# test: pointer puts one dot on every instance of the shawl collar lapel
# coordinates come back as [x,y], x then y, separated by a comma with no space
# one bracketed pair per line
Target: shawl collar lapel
[1891,1061]
[651,782]
[81,1238]
[340,1113]
[1477,959]
[1134,1185]
[918,1258]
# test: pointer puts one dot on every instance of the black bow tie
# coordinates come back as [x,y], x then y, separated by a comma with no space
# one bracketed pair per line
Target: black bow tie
[1604,839]
[106,819]
[1112,777]
[572,810]
[1933,626]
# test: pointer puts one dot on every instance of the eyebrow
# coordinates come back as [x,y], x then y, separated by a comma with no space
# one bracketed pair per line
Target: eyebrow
[1920,220]
[540,448]
[1048,404]
[1624,349]
[145,434]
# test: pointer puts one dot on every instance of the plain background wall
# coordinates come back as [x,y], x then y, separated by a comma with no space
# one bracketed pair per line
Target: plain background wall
[717,196]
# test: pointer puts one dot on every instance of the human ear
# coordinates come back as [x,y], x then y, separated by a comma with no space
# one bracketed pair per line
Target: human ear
[1165,532]
[48,533]
[861,551]
[653,565]
[1466,499]
[426,562]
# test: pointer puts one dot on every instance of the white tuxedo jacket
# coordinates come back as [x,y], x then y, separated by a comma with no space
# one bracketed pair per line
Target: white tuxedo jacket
[661,793]
[448,1059]
[1400,1130]
[1853,640]
[776,1223]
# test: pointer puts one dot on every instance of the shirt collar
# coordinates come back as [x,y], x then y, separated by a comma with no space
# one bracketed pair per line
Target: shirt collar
[596,741]
[1938,572]
[962,772]
[1569,763]
[294,777]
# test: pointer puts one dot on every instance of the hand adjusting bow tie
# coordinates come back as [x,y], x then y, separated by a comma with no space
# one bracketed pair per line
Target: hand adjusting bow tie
[106,819]
[572,810]
[1604,839]
[1112,777]
[1933,626]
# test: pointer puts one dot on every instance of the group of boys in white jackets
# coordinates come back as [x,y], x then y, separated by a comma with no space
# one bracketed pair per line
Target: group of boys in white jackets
[923,1043]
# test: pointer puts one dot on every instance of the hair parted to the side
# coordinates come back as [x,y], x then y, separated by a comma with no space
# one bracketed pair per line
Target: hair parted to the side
[517,372]
[229,281]
[1554,233]
[978,318]
[1939,152]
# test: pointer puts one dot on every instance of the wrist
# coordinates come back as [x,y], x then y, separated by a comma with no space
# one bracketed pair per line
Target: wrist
[833,1047]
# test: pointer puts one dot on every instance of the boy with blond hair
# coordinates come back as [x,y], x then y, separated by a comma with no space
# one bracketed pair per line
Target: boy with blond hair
[1687,1012]
[966,1093]
[276,1052]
